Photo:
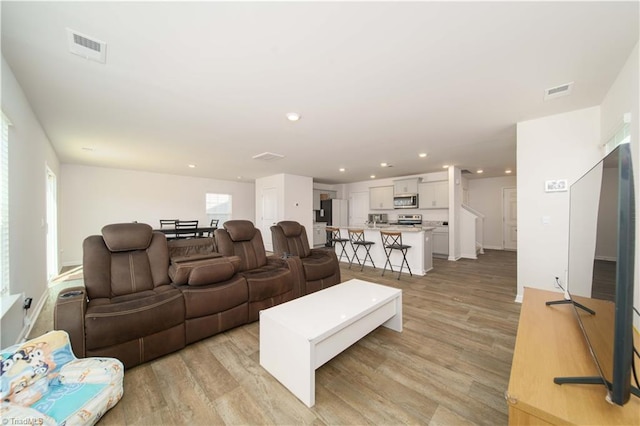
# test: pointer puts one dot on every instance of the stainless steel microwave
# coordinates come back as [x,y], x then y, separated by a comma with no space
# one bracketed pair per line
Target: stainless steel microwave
[405,201]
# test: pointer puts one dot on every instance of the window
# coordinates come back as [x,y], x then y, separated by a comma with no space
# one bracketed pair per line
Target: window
[4,207]
[622,135]
[219,207]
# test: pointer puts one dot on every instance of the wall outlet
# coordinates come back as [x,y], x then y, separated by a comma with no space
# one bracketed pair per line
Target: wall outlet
[27,303]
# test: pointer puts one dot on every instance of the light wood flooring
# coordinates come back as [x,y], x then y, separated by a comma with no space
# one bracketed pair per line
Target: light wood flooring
[449,366]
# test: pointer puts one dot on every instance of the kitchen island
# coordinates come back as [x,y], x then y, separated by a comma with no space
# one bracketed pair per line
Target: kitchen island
[419,256]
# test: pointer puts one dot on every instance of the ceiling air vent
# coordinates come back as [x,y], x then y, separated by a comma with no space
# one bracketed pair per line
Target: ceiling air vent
[465,172]
[267,156]
[558,91]
[87,47]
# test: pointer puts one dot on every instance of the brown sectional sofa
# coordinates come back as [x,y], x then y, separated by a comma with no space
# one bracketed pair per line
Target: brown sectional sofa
[144,298]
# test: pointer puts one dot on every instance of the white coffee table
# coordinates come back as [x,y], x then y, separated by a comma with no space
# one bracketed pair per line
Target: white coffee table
[299,336]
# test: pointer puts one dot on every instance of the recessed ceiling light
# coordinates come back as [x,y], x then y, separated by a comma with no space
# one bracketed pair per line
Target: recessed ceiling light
[342,169]
[239,177]
[422,154]
[507,171]
[293,116]
[480,171]
[372,176]
[192,166]
[446,166]
[383,164]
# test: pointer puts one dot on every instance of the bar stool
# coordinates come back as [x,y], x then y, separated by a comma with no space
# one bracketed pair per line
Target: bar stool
[392,240]
[335,237]
[356,237]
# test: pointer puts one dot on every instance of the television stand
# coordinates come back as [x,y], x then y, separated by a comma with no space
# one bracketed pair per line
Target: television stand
[565,301]
[550,344]
[590,380]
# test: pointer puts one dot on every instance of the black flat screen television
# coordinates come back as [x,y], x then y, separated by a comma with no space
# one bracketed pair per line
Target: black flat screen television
[601,266]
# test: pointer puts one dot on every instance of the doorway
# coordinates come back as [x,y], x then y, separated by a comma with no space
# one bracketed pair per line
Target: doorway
[510,218]
[269,215]
[51,224]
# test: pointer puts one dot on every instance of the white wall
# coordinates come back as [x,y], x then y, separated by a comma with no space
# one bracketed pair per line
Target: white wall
[624,97]
[295,202]
[92,197]
[562,146]
[29,152]
[485,195]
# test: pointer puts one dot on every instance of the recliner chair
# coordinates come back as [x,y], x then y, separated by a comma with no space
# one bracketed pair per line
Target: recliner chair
[271,280]
[320,266]
[128,308]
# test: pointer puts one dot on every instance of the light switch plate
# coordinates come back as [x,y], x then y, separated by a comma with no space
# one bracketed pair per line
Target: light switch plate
[555,185]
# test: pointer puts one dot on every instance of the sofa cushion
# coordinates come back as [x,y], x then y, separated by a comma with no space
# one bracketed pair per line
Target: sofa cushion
[240,230]
[318,266]
[117,320]
[211,273]
[290,228]
[209,270]
[127,236]
[214,298]
[190,248]
[268,281]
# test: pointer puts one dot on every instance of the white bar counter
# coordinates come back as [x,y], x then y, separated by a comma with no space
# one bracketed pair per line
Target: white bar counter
[419,256]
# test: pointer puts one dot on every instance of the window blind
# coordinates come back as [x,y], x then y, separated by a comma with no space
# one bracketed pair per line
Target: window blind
[4,207]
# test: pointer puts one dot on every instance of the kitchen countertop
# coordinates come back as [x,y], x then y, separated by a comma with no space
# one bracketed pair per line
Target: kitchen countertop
[401,228]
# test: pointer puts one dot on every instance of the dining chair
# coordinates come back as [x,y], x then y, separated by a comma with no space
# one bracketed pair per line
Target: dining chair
[213,224]
[169,223]
[187,224]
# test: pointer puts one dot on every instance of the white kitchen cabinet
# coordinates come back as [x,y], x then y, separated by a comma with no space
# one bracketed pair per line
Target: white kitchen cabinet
[381,198]
[319,235]
[440,243]
[434,195]
[406,186]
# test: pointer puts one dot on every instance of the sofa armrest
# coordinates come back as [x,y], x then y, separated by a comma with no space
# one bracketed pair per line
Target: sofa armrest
[294,264]
[68,315]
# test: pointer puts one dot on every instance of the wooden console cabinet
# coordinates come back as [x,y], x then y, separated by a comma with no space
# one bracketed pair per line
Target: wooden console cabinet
[550,344]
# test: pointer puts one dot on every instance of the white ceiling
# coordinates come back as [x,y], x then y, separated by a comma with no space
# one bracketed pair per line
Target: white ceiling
[209,83]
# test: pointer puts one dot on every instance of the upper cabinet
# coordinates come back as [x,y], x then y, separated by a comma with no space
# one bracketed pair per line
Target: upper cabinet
[322,194]
[381,198]
[434,195]
[406,186]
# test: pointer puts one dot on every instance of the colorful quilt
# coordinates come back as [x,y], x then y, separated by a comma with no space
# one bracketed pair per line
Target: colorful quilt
[42,382]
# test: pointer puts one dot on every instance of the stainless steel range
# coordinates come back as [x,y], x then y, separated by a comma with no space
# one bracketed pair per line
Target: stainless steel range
[409,219]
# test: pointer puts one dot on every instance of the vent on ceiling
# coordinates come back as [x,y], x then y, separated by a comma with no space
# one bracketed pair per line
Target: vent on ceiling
[86,46]
[558,91]
[267,156]
[465,172]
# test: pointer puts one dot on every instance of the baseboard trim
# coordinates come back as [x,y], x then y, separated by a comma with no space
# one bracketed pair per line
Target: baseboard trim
[31,319]
[519,298]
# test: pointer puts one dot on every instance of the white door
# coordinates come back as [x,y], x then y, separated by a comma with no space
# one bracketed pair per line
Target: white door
[509,218]
[52,225]
[358,208]
[269,215]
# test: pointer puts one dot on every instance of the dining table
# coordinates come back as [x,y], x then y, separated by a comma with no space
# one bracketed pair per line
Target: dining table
[175,233]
